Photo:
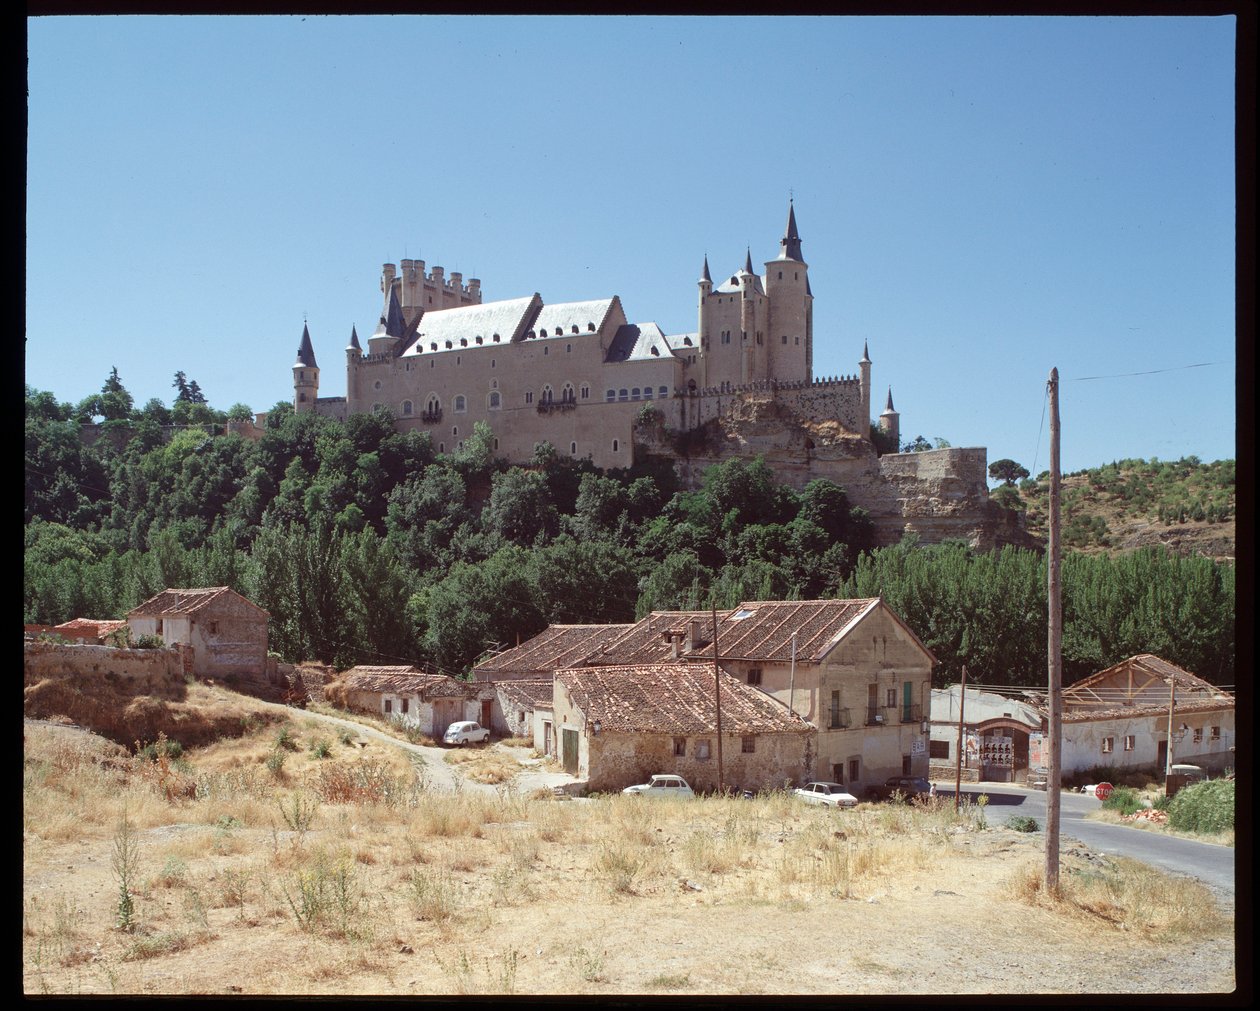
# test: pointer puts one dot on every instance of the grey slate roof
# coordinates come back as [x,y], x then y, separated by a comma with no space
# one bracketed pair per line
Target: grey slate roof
[682,342]
[559,320]
[472,326]
[306,353]
[637,342]
[354,340]
[791,241]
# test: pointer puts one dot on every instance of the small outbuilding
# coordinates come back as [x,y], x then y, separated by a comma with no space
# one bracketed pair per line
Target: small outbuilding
[428,702]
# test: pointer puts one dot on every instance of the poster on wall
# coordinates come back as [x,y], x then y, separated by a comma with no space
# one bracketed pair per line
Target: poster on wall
[916,745]
[1036,751]
[973,750]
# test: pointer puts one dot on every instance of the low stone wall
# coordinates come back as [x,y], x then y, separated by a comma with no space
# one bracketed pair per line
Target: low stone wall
[138,671]
[948,772]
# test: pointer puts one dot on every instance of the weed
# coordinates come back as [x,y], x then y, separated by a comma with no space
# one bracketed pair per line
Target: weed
[368,782]
[234,889]
[275,761]
[432,896]
[347,736]
[589,965]
[166,943]
[300,811]
[1204,807]
[195,907]
[1123,800]
[670,981]
[174,870]
[1023,823]
[320,748]
[323,895]
[619,865]
[125,864]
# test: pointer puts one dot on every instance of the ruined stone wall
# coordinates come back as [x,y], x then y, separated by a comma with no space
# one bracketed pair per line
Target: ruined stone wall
[137,671]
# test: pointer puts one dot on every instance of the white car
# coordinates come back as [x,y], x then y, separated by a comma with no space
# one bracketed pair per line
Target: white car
[465,732]
[661,786]
[827,794]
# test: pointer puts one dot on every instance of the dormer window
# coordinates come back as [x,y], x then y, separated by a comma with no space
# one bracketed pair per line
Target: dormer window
[575,328]
[463,342]
[433,345]
[495,338]
[448,345]
[478,338]
[590,327]
[656,351]
[687,341]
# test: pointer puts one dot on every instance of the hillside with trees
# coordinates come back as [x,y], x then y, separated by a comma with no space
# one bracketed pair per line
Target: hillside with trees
[366,546]
[1185,505]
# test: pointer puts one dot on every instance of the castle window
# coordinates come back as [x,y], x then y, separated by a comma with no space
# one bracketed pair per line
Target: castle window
[458,359]
[634,394]
[376,385]
[614,445]
[546,350]
[407,407]
[433,406]
[623,394]
[610,395]
[687,341]
[590,327]
[785,338]
[492,363]
[302,397]
[461,404]
[432,345]
[798,341]
[463,342]
[647,393]
[546,395]
[664,390]
[496,444]
[448,345]
[569,347]
[780,275]
[494,400]
[441,445]
[758,337]
[495,338]
[566,395]
[656,351]
[478,338]
[573,449]
[377,408]
[586,393]
[455,430]
[529,396]
[574,328]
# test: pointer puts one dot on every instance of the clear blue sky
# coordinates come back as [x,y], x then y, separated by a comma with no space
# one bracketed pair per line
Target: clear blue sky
[980,199]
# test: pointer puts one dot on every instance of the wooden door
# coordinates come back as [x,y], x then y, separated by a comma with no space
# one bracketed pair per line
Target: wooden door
[569,751]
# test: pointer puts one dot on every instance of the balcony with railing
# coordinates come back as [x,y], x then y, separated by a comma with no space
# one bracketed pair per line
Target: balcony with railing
[551,406]
[875,716]
[431,416]
[911,714]
[840,719]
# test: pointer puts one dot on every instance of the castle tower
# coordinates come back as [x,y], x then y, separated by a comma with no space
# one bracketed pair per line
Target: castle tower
[305,375]
[790,327]
[390,329]
[865,366]
[890,421]
[703,334]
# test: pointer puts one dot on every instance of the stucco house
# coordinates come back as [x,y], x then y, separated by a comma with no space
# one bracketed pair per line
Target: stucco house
[429,702]
[517,701]
[226,632]
[1119,717]
[615,726]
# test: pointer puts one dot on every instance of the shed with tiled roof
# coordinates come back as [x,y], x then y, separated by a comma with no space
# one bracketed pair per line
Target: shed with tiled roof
[227,632]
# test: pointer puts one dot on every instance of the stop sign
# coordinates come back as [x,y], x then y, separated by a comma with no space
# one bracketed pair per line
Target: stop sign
[1103,790]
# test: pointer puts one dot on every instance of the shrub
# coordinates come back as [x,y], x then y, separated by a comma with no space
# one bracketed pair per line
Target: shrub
[1123,800]
[1023,823]
[1203,807]
[149,642]
[275,761]
[321,748]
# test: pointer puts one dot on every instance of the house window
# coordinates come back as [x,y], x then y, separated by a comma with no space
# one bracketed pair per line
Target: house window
[389,705]
[891,698]
[702,749]
[837,772]
[680,746]
[754,675]
[213,627]
[406,704]
[1216,733]
[748,745]
[1129,742]
[1198,735]
[158,627]
[855,769]
[835,710]
[938,749]
[1109,743]
[785,338]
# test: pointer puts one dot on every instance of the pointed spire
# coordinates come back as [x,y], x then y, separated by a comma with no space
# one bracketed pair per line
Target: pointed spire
[394,322]
[354,340]
[705,276]
[791,241]
[748,260]
[306,353]
[866,355]
[889,408]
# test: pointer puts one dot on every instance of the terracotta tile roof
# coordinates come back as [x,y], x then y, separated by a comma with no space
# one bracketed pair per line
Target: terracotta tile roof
[1120,712]
[674,699]
[525,693]
[762,629]
[92,626]
[403,679]
[1138,686]
[647,641]
[187,601]
[554,647]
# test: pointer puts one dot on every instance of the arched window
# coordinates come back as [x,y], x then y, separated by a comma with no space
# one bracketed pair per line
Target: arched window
[610,395]
[406,408]
[614,445]
[647,393]
[545,396]
[567,395]
[664,391]
[573,449]
[455,430]
[623,394]
[495,400]
[634,393]
[461,403]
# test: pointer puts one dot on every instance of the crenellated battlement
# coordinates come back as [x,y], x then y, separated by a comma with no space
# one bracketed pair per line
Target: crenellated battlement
[413,274]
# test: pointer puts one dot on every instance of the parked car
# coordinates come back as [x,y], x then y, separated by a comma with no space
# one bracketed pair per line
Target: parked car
[661,786]
[827,794]
[908,787]
[465,732]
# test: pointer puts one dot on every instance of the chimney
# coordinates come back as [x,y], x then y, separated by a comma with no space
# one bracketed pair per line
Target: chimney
[693,635]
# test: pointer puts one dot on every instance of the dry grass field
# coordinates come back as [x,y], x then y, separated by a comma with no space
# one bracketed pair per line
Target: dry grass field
[304,859]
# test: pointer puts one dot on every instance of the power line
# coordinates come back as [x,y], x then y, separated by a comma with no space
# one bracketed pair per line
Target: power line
[1152,372]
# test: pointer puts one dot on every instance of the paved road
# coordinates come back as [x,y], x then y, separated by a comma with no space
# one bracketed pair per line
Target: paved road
[1210,863]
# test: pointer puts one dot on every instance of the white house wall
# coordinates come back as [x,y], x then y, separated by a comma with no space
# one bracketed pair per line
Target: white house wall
[1083,742]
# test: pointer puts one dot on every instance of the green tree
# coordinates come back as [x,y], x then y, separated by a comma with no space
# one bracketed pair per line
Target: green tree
[1007,471]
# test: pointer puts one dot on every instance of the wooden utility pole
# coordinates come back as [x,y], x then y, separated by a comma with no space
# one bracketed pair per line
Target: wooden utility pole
[962,701]
[717,696]
[1054,643]
[1168,755]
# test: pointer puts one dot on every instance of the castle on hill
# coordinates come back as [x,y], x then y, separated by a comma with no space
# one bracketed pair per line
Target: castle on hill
[578,374]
